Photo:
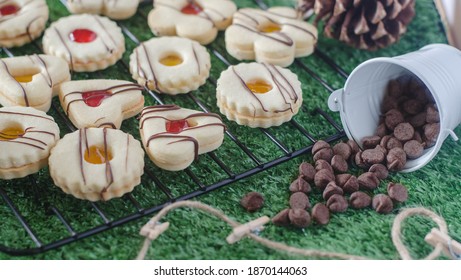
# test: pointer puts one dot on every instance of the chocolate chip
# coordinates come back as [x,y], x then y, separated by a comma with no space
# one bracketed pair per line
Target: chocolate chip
[394,88]
[322,178]
[300,185]
[354,146]
[413,149]
[321,214]
[342,149]
[252,201]
[392,118]
[339,164]
[323,164]
[337,203]
[347,182]
[307,171]
[389,103]
[379,170]
[359,200]
[418,120]
[382,204]
[325,154]
[299,218]
[418,137]
[396,159]
[392,143]
[332,189]
[282,219]
[397,192]
[432,114]
[413,106]
[431,132]
[368,181]
[370,142]
[381,130]
[359,161]
[299,200]
[320,145]
[404,131]
[372,156]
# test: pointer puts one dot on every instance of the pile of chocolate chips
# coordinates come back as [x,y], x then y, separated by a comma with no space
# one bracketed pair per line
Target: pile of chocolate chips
[410,123]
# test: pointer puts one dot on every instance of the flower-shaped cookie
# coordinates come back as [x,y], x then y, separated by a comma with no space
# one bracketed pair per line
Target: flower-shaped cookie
[26,138]
[173,136]
[274,36]
[100,103]
[258,94]
[170,65]
[198,20]
[87,42]
[21,21]
[31,81]
[115,9]
[97,163]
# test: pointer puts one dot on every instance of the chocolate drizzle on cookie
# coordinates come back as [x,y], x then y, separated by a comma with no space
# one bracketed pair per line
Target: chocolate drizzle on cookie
[141,71]
[36,143]
[69,52]
[205,16]
[108,48]
[46,74]
[109,174]
[82,134]
[24,93]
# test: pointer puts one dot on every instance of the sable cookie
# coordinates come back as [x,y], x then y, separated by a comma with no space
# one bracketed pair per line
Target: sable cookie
[274,36]
[198,20]
[173,137]
[31,81]
[26,138]
[258,94]
[115,9]
[100,103]
[21,21]
[97,163]
[87,42]
[170,65]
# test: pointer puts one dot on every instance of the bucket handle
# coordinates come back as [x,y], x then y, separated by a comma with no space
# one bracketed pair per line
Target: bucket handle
[334,101]
[452,134]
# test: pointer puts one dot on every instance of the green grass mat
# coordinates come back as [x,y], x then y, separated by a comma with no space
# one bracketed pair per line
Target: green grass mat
[194,235]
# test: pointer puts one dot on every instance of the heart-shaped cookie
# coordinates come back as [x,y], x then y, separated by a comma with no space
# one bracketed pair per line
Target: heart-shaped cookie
[100,103]
[173,136]
[31,81]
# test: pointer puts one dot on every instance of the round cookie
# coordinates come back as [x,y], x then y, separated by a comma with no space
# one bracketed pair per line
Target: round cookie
[198,20]
[31,81]
[115,9]
[87,42]
[173,136]
[21,21]
[171,65]
[274,36]
[97,163]
[26,138]
[258,94]
[100,103]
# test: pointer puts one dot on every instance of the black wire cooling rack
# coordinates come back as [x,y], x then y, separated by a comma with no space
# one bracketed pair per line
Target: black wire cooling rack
[198,187]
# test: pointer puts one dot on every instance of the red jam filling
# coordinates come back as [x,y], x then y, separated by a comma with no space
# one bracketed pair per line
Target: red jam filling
[192,8]
[95,98]
[82,36]
[9,10]
[176,126]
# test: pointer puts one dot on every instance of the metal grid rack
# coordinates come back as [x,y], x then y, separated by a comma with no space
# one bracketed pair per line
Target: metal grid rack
[200,188]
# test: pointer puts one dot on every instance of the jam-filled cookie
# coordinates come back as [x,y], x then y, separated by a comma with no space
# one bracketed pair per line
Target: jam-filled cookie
[274,36]
[87,42]
[97,163]
[21,21]
[258,94]
[170,65]
[100,103]
[115,9]
[198,20]
[173,136]
[26,138]
[31,81]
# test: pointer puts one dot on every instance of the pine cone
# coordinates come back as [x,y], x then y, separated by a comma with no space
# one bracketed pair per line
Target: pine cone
[363,24]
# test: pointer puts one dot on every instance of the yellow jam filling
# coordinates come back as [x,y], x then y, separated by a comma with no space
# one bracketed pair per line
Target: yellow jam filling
[97,155]
[171,60]
[269,28]
[24,78]
[11,133]
[259,86]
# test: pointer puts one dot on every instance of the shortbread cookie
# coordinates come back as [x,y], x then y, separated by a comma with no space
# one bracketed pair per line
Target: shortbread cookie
[100,103]
[21,21]
[26,138]
[87,42]
[97,163]
[258,94]
[31,81]
[198,20]
[274,36]
[170,65]
[173,137]
[115,9]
